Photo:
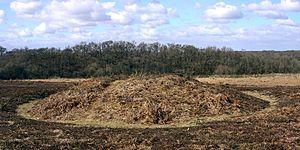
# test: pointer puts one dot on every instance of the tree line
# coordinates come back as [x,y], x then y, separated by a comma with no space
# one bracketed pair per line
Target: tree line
[125,58]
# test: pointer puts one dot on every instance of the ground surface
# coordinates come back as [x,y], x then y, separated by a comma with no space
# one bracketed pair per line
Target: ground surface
[275,128]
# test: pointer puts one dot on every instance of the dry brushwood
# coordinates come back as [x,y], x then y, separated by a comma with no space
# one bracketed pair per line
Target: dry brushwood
[144,99]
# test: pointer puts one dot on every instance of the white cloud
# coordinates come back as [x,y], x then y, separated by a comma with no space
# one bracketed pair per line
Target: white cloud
[264,5]
[108,5]
[43,28]
[289,5]
[26,32]
[197,5]
[128,33]
[128,1]
[271,14]
[121,33]
[286,22]
[211,30]
[223,12]
[74,13]
[132,7]
[67,22]
[2,14]
[284,5]
[58,18]
[61,15]
[18,32]
[152,20]
[274,10]
[172,12]
[152,14]
[25,8]
[152,7]
[66,16]
[81,36]
[276,36]
[121,17]
[148,33]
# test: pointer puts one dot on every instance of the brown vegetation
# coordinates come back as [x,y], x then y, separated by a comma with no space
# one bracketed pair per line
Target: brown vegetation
[145,100]
[255,80]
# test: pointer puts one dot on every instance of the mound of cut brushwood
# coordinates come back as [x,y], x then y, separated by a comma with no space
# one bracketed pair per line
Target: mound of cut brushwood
[144,99]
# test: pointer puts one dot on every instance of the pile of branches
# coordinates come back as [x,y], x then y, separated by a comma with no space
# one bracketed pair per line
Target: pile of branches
[161,99]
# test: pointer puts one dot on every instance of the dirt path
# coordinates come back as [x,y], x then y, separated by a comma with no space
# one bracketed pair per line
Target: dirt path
[271,99]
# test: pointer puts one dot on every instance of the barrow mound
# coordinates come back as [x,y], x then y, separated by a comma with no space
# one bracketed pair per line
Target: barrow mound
[167,99]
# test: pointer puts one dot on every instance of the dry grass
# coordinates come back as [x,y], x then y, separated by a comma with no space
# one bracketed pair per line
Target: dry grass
[60,80]
[273,103]
[272,100]
[258,80]
[23,111]
[143,102]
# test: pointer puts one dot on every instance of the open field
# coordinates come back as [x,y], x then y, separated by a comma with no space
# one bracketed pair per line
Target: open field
[275,127]
[56,80]
[258,80]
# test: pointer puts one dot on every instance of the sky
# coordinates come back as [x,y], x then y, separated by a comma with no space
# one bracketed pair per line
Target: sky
[241,25]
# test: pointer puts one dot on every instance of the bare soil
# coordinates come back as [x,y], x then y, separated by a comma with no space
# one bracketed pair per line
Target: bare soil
[278,128]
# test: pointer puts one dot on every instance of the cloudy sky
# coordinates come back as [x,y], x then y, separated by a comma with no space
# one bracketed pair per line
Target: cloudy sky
[247,24]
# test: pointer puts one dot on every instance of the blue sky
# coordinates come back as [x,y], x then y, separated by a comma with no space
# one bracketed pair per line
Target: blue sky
[248,24]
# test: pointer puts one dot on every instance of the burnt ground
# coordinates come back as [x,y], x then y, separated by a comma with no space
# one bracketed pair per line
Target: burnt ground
[278,129]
